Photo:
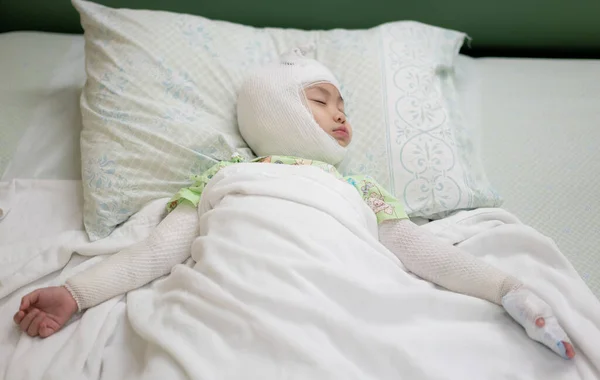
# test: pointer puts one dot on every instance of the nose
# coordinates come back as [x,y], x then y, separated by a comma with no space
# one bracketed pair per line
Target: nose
[340,117]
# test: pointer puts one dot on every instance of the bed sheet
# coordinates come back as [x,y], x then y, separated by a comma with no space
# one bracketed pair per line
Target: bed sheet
[541,149]
[41,76]
[107,342]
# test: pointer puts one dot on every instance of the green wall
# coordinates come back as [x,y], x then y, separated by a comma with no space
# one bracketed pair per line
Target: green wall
[527,28]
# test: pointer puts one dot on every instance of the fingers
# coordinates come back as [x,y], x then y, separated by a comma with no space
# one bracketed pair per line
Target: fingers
[554,337]
[29,299]
[35,323]
[23,316]
[48,327]
[19,317]
[570,351]
[45,331]
[536,316]
[28,319]
[34,327]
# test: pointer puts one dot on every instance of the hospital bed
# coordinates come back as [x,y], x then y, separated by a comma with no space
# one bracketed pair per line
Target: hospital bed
[530,83]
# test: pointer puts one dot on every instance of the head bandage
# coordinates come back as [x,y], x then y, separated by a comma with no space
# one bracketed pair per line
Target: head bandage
[273,114]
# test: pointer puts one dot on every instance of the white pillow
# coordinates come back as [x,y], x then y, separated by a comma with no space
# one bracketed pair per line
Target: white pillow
[159,106]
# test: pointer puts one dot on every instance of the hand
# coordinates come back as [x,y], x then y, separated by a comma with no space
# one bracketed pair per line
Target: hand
[536,316]
[45,311]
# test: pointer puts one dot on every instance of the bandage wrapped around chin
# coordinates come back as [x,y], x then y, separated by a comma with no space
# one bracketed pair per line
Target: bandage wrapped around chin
[273,113]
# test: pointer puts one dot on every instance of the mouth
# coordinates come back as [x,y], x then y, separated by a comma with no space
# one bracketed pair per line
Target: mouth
[341,132]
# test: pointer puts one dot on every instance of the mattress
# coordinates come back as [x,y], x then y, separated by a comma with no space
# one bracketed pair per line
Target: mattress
[541,148]
[41,76]
[537,122]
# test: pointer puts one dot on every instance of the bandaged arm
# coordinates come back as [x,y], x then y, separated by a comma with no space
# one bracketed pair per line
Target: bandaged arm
[443,264]
[168,245]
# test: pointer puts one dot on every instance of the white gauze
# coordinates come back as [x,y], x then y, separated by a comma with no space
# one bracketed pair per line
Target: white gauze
[273,113]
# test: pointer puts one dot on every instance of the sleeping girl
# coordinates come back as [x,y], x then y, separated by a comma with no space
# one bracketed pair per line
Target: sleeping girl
[292,113]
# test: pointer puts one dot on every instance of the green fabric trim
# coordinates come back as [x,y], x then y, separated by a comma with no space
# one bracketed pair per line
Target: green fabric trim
[384,205]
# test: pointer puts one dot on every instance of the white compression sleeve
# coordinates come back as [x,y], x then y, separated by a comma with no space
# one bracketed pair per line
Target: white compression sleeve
[168,245]
[455,269]
[425,255]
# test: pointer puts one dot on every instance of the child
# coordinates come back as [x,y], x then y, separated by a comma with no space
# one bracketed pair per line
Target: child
[291,112]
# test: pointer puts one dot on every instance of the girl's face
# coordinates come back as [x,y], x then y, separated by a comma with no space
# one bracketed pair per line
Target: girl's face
[327,107]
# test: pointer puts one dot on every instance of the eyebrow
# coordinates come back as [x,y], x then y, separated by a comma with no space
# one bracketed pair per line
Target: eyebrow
[326,92]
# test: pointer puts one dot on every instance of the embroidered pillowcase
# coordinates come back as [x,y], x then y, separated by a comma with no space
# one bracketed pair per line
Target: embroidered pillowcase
[160,98]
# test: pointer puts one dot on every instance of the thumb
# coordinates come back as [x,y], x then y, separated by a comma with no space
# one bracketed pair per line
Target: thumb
[30,299]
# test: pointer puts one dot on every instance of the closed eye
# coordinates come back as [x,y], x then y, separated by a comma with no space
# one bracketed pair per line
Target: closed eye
[318,101]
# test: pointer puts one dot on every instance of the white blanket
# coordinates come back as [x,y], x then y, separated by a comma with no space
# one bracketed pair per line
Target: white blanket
[291,282]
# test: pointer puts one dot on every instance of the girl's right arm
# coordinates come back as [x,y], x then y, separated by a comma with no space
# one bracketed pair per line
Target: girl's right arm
[168,245]
[46,310]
